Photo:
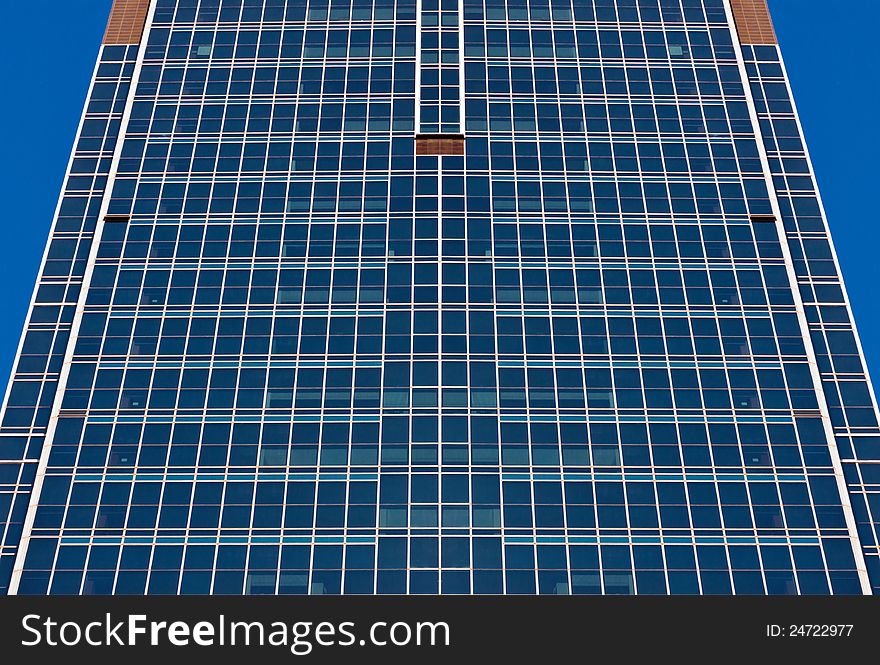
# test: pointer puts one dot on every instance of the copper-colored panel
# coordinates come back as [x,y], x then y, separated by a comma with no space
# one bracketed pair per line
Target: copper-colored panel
[440,144]
[127,20]
[753,22]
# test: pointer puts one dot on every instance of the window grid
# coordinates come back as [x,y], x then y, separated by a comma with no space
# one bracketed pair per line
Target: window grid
[565,362]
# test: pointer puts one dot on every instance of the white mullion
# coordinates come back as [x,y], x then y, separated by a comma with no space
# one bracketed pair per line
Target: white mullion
[461,98]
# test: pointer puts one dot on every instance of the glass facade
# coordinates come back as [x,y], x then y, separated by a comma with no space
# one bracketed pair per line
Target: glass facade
[285,341]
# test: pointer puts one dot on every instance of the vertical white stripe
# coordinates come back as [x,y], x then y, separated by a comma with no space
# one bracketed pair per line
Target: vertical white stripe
[77,318]
[461,123]
[418,121]
[801,314]
[828,236]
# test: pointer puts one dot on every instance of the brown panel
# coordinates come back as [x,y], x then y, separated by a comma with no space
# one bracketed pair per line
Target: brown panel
[440,144]
[753,22]
[127,20]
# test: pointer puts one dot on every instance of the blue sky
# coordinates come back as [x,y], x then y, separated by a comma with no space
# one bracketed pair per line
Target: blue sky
[829,48]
